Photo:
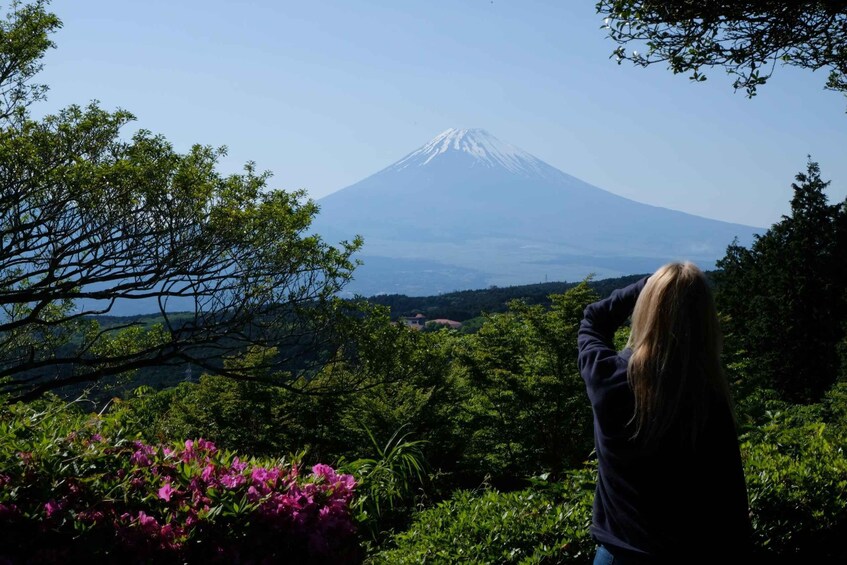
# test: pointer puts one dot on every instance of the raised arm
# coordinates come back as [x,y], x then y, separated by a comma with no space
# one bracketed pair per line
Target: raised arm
[599,323]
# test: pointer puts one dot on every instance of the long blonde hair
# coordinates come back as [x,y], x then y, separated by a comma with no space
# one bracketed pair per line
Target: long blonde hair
[675,365]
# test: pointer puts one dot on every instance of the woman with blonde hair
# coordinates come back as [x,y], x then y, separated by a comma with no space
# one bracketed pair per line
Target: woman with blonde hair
[670,485]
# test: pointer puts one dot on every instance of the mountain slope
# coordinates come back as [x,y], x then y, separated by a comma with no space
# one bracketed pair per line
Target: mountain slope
[478,211]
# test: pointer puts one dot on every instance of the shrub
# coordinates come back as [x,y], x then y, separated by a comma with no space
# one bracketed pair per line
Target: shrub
[74,488]
[797,485]
[544,524]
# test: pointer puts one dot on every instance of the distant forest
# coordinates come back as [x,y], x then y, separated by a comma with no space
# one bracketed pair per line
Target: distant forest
[467,304]
[462,306]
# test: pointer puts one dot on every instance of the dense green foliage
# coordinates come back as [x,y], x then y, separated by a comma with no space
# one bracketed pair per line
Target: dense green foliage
[506,401]
[546,524]
[797,482]
[388,481]
[527,411]
[785,298]
[60,466]
[747,39]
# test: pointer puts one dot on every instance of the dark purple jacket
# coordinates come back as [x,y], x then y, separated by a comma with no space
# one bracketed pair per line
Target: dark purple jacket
[669,503]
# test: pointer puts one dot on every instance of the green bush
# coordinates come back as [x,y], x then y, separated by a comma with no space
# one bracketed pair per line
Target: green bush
[527,412]
[797,485]
[544,524]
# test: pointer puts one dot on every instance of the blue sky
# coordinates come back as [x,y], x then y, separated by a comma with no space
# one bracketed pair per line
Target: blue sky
[325,93]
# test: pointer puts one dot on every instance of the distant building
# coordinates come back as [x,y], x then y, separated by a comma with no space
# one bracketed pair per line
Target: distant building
[419,322]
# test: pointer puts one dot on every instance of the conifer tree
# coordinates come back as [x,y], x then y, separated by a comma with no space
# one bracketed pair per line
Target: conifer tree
[785,296]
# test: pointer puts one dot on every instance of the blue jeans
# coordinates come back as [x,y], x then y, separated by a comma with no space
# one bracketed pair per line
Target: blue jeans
[604,557]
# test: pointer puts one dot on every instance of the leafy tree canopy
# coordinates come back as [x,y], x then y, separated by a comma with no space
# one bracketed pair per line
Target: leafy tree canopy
[90,217]
[746,38]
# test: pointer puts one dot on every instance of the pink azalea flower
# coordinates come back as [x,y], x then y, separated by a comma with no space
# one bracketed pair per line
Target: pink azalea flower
[325,471]
[259,474]
[206,445]
[147,523]
[347,482]
[165,492]
[238,465]
[51,507]
[188,452]
[142,454]
[232,481]
[140,459]
[208,473]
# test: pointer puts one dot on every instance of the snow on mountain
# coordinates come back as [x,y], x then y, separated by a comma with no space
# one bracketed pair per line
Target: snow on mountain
[467,210]
[479,144]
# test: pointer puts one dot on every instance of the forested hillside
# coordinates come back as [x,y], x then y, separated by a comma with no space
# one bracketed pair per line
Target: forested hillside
[466,304]
[463,306]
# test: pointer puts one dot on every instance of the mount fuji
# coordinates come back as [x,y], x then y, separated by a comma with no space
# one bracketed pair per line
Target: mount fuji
[467,210]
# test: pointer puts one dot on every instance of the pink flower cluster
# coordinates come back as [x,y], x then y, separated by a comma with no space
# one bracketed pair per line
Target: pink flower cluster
[191,502]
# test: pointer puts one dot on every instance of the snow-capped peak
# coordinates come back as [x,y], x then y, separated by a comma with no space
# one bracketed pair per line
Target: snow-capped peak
[481,145]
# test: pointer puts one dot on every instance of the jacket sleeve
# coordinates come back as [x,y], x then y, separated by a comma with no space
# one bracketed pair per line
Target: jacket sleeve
[597,329]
